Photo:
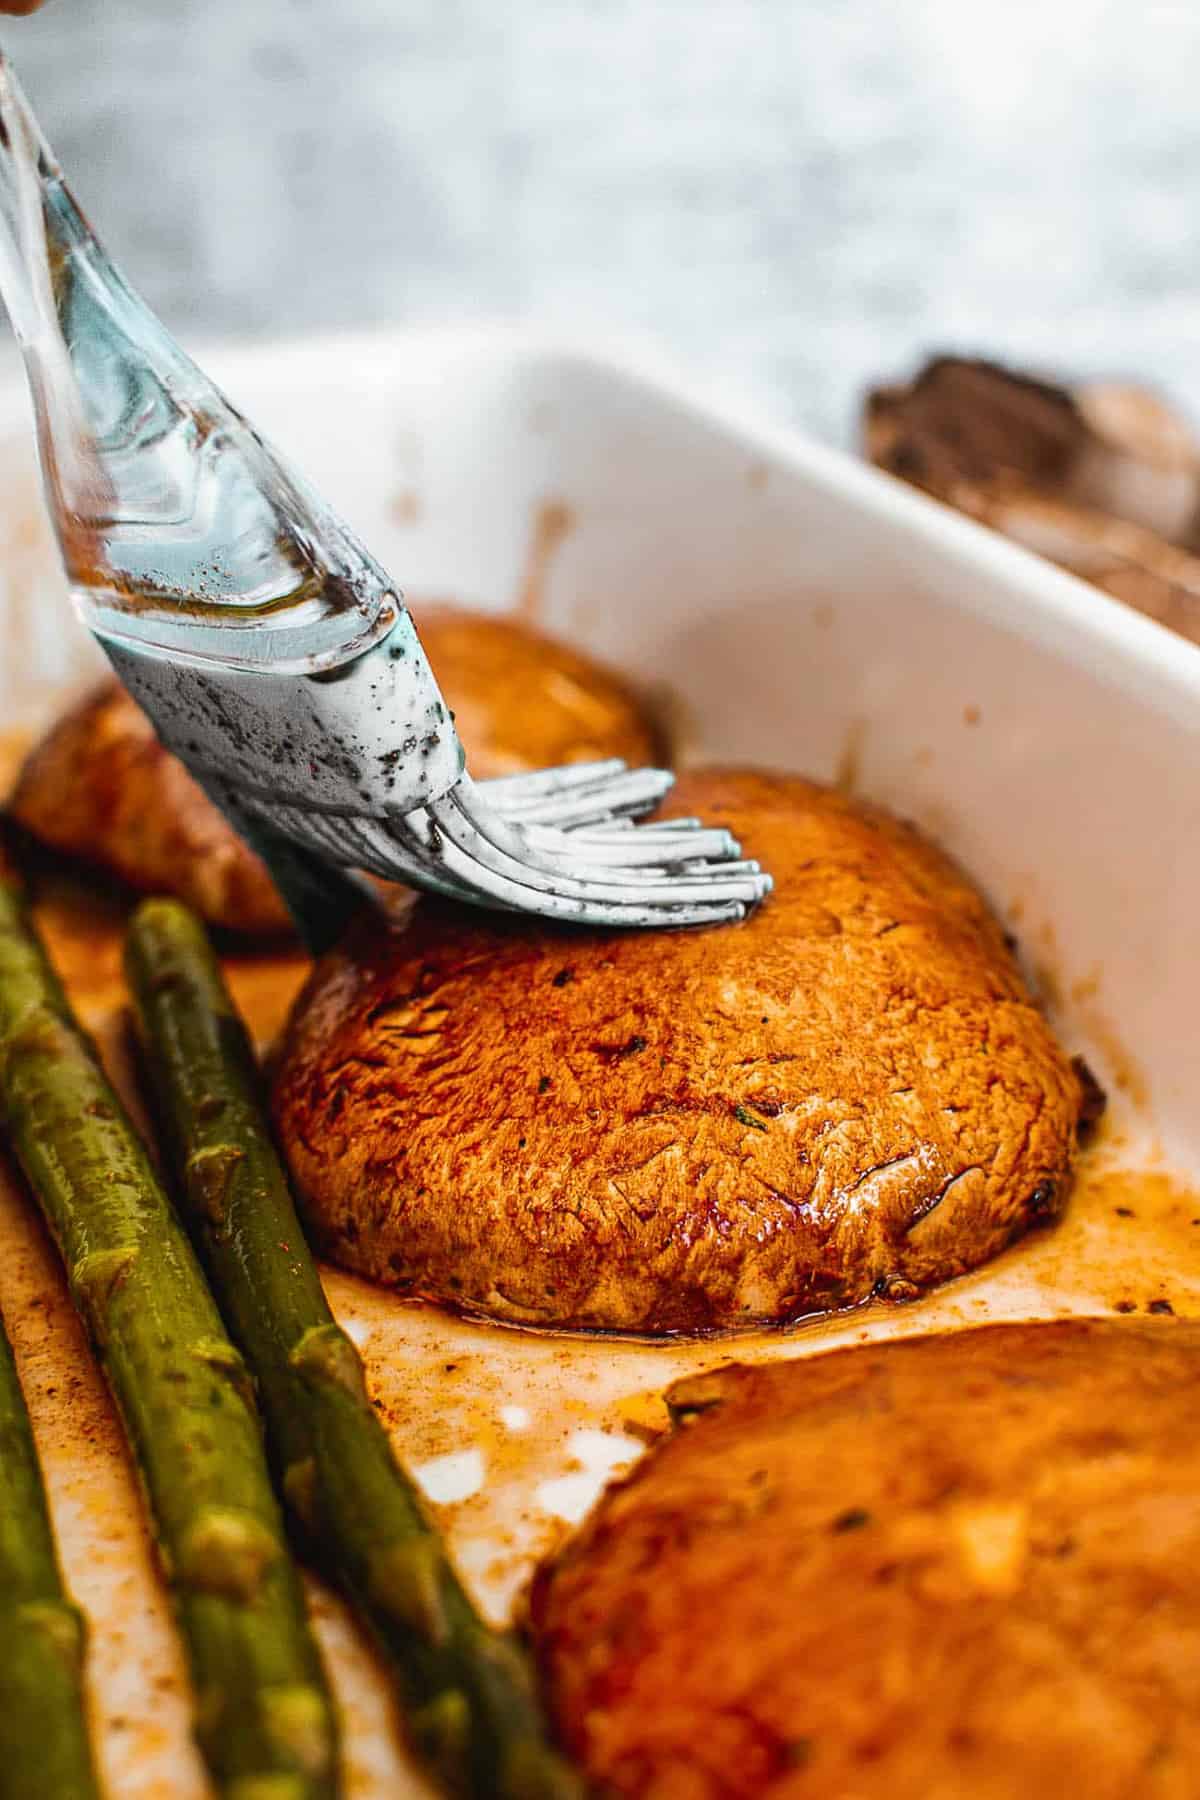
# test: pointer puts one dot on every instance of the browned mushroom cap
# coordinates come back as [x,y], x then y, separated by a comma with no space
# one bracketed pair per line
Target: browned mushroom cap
[1103,479]
[850,1091]
[523,700]
[970,421]
[101,786]
[960,1566]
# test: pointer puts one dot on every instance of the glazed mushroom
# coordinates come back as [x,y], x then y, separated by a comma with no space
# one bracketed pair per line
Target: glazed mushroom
[959,1565]
[850,1092]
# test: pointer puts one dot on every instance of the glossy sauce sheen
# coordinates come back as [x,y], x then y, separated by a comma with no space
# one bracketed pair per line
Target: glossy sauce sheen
[960,1565]
[849,1092]
[512,1434]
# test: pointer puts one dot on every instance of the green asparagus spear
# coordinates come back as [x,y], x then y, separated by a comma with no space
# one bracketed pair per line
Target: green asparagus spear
[264,1718]
[467,1690]
[43,1730]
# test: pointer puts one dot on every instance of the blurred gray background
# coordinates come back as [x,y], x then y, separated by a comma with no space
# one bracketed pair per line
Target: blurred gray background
[793,196]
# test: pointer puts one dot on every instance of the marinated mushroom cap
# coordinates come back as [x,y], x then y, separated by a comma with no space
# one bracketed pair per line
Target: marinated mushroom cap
[850,1092]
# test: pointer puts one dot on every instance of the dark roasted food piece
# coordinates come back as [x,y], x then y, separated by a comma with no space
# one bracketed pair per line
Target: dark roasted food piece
[101,786]
[960,420]
[1102,479]
[264,1717]
[850,1092]
[958,1566]
[44,1747]
[470,1707]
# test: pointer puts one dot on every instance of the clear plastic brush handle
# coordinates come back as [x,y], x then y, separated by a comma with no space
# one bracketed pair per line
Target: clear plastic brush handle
[182,532]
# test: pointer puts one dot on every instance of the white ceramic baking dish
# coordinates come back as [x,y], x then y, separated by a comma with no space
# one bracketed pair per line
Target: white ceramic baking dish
[799,610]
[806,611]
